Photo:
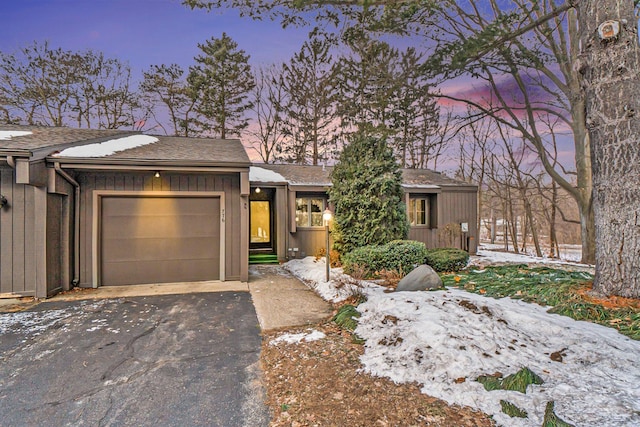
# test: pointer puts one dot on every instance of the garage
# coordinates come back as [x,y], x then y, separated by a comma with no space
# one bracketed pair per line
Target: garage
[159,239]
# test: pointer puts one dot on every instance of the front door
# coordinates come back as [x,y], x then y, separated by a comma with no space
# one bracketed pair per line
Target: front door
[262,236]
[260,224]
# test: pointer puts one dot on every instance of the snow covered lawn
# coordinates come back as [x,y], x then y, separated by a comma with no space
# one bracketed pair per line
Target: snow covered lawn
[445,339]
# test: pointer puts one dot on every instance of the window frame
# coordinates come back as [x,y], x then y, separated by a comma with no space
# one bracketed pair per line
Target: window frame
[309,198]
[429,203]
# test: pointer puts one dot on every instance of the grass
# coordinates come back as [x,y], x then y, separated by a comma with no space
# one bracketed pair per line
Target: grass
[512,410]
[551,419]
[346,317]
[566,291]
[514,382]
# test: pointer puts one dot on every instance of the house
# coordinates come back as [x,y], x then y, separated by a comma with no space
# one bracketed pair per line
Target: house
[287,202]
[93,208]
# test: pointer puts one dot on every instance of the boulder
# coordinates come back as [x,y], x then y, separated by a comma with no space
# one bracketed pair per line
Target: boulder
[422,277]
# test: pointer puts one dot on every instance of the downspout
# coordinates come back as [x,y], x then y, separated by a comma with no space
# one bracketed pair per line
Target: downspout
[11,161]
[76,223]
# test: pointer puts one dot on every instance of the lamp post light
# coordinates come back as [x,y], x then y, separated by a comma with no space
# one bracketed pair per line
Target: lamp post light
[327,215]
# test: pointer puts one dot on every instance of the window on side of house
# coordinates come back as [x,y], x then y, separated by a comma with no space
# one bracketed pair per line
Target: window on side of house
[309,211]
[420,211]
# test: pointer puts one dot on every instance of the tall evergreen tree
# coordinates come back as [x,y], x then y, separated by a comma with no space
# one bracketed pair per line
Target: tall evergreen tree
[309,82]
[367,194]
[368,86]
[223,81]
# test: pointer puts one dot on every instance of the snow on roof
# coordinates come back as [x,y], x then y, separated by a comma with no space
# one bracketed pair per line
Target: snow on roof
[257,174]
[8,134]
[107,148]
[429,186]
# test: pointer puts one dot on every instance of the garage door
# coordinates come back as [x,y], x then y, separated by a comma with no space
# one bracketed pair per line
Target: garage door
[159,239]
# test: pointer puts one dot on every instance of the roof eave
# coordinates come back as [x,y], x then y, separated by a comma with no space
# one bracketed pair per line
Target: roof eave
[99,163]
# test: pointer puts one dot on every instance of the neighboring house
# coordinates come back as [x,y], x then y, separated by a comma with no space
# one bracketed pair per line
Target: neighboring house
[95,208]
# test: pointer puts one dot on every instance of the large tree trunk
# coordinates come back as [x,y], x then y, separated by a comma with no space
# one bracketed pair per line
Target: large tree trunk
[611,70]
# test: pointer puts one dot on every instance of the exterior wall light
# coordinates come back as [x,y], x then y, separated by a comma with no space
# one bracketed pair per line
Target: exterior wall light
[327,215]
[157,175]
[3,201]
[258,190]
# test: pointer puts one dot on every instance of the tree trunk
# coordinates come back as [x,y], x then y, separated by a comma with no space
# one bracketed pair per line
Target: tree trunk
[611,70]
[553,240]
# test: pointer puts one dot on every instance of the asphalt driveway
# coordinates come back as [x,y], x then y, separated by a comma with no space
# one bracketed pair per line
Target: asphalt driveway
[171,360]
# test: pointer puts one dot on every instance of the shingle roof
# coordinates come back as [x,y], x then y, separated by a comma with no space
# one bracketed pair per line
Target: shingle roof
[168,149]
[419,177]
[321,176]
[187,150]
[43,137]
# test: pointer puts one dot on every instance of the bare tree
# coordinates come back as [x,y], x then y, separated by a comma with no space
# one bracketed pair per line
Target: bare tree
[267,134]
[54,87]
[166,92]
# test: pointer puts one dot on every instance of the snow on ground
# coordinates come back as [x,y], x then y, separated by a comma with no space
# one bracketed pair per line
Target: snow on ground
[487,256]
[445,339]
[312,335]
[313,273]
[8,134]
[107,148]
[568,253]
[34,323]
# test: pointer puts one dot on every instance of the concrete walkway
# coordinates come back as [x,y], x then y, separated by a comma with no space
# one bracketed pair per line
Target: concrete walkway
[280,299]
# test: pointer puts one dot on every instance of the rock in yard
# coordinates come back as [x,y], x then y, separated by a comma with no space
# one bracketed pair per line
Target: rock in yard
[421,278]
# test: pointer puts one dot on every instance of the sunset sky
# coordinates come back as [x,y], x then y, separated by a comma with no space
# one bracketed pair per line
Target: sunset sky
[154,32]
[142,32]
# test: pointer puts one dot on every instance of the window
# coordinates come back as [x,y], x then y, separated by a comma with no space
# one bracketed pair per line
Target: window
[309,211]
[419,211]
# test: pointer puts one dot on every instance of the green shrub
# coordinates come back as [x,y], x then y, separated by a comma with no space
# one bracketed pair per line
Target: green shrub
[447,259]
[401,256]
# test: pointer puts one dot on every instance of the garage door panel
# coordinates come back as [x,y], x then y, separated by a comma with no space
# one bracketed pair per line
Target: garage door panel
[171,271]
[191,226]
[159,239]
[160,249]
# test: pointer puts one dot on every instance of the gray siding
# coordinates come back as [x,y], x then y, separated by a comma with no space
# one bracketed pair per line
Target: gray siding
[17,227]
[56,241]
[308,241]
[227,183]
[458,206]
[453,205]
[281,221]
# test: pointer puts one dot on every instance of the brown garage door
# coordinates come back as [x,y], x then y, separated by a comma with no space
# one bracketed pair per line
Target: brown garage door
[159,239]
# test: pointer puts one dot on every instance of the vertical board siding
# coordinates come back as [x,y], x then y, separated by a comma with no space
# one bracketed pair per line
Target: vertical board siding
[281,213]
[452,205]
[229,183]
[308,241]
[458,207]
[17,248]
[55,241]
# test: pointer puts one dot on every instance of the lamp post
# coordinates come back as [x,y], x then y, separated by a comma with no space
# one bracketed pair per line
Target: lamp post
[326,218]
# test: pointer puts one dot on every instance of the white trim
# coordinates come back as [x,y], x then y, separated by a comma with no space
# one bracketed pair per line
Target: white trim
[97,213]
